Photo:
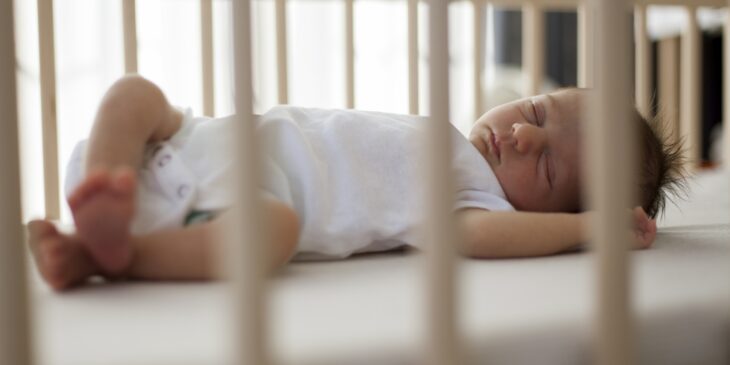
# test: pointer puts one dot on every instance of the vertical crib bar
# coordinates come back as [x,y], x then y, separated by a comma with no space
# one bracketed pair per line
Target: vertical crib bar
[47,60]
[643,61]
[245,251]
[206,47]
[15,332]
[129,11]
[281,52]
[413,56]
[668,84]
[439,225]
[585,44]
[726,90]
[609,180]
[478,53]
[533,29]
[690,88]
[350,53]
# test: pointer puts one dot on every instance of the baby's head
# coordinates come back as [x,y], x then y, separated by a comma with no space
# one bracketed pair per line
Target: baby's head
[533,145]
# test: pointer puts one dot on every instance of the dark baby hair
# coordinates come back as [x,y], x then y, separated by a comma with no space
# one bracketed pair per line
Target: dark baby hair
[662,174]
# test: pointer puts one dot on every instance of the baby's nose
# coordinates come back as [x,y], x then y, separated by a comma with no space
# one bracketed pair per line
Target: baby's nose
[527,137]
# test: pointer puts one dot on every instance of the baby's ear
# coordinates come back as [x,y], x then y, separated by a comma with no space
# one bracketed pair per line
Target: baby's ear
[644,229]
[642,221]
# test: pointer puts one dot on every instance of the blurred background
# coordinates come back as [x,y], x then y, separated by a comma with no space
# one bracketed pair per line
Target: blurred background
[89,58]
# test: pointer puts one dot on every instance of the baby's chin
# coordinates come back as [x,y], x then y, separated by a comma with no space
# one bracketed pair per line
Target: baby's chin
[508,193]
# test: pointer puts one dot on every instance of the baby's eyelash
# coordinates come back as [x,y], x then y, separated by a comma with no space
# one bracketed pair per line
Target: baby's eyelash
[533,107]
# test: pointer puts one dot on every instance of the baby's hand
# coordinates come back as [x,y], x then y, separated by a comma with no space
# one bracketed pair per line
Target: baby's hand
[644,229]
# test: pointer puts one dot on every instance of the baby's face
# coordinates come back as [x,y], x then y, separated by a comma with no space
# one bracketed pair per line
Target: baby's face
[532,145]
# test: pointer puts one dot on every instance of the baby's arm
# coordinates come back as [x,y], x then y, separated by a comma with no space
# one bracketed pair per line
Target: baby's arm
[520,234]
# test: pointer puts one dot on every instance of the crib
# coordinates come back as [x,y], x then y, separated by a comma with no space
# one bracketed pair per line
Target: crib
[667,305]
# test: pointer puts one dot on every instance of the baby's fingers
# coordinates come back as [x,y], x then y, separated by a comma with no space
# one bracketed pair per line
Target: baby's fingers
[644,229]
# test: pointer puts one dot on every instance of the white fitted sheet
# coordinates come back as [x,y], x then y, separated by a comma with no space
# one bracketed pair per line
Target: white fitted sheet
[369,309]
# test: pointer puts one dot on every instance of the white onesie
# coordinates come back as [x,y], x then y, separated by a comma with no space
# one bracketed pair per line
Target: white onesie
[353,177]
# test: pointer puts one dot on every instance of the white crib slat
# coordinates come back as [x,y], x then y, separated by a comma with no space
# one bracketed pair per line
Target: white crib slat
[129,21]
[47,60]
[206,43]
[643,61]
[690,88]
[246,253]
[479,20]
[281,52]
[726,92]
[533,28]
[438,229]
[15,332]
[413,57]
[350,53]
[668,84]
[585,44]
[609,180]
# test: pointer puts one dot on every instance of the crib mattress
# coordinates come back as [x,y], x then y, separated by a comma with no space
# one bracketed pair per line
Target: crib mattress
[370,309]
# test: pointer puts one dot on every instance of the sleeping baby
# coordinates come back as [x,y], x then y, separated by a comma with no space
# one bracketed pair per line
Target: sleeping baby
[146,188]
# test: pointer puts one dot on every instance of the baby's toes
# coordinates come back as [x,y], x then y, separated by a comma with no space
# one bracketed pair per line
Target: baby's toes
[93,183]
[56,263]
[39,229]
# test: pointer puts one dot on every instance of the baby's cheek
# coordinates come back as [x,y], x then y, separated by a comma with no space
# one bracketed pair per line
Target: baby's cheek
[520,198]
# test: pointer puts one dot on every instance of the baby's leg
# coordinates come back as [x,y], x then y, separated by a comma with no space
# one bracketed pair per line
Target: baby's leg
[61,259]
[102,207]
[134,112]
[187,253]
[190,253]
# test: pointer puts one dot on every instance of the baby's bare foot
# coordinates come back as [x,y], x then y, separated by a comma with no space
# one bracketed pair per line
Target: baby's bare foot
[102,207]
[61,259]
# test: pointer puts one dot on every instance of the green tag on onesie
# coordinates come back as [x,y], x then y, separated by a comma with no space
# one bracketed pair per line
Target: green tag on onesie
[200,216]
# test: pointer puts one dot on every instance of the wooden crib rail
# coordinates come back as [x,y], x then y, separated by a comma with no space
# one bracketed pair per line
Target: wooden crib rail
[413,82]
[246,249]
[572,4]
[603,64]
[533,37]
[206,50]
[439,229]
[726,94]
[534,12]
[349,53]
[689,126]
[129,28]
[585,46]
[609,181]
[15,327]
[642,63]
[47,61]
